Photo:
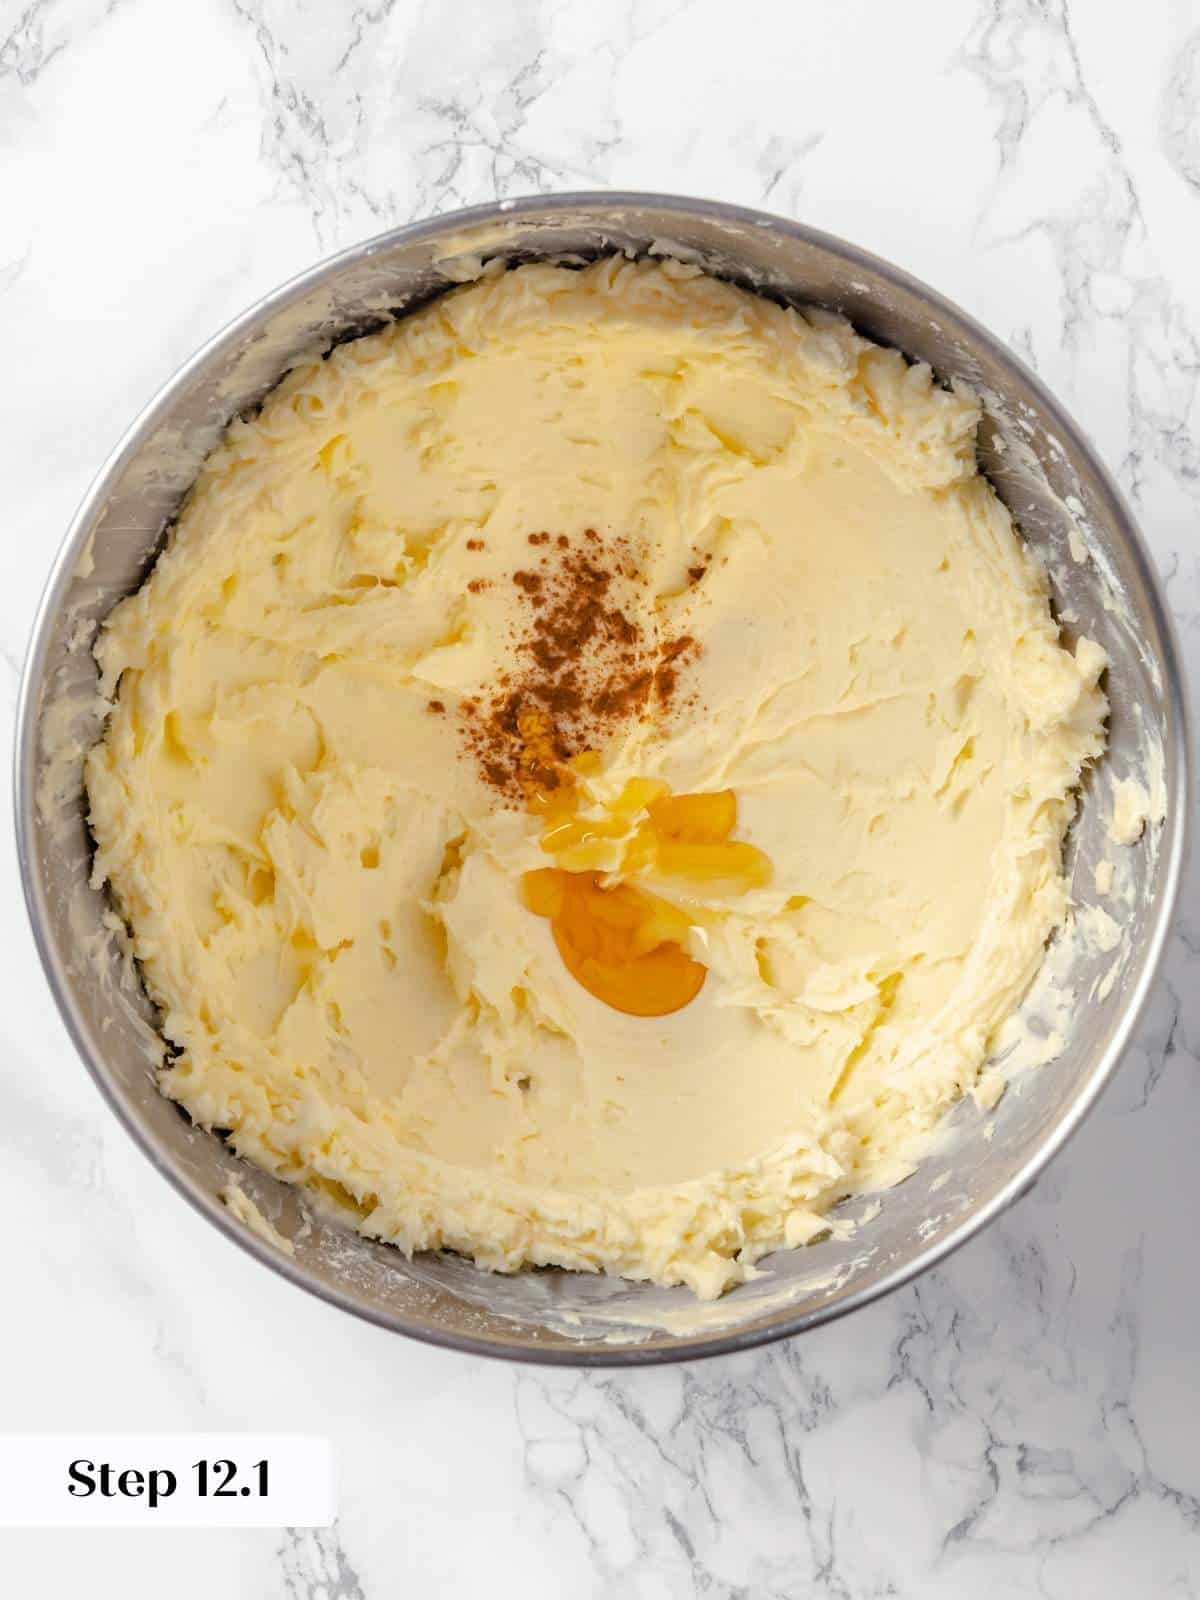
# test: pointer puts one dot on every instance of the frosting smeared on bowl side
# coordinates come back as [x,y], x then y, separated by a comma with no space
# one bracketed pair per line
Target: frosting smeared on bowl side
[336,706]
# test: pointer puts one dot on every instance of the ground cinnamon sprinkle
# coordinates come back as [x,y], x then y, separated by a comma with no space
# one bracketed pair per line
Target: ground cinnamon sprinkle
[586,660]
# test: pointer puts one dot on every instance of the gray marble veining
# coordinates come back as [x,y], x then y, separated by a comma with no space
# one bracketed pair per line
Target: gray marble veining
[1022,1421]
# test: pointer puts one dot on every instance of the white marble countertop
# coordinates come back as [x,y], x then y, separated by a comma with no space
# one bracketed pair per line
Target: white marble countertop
[1022,1421]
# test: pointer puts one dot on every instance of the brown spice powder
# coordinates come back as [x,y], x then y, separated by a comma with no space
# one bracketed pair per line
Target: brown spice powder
[585,663]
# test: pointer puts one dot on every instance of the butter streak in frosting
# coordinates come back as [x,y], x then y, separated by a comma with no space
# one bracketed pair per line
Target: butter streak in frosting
[325,892]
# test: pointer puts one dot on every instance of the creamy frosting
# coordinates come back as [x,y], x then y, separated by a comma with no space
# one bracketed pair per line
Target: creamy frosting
[240,1205]
[323,886]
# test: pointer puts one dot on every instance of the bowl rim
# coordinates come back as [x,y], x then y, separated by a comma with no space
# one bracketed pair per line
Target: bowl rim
[1177,752]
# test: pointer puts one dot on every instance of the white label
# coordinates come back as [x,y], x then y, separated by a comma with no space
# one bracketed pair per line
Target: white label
[171,1480]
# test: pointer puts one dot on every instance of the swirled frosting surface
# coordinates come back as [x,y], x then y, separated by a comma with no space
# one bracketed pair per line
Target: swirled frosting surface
[314,797]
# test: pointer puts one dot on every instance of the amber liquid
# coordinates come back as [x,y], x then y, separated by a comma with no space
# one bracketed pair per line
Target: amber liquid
[625,945]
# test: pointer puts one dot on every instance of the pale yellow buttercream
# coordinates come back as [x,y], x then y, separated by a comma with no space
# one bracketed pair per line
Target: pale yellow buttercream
[323,893]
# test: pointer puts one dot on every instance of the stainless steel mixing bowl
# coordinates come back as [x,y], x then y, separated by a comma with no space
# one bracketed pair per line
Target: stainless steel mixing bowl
[1041,465]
